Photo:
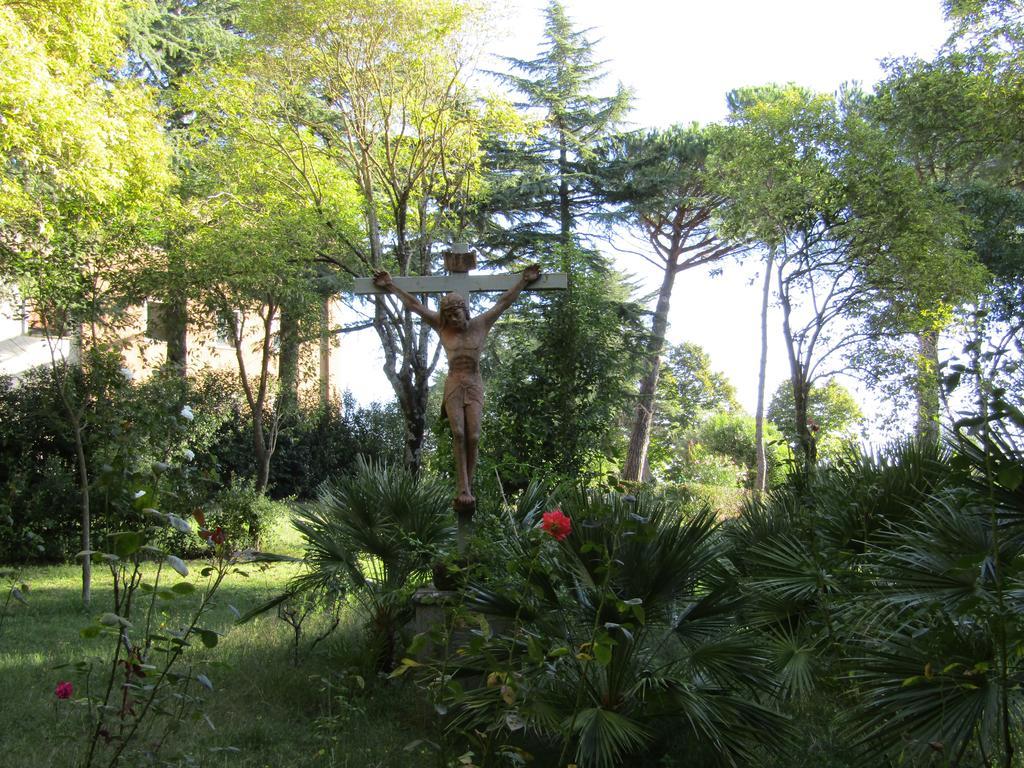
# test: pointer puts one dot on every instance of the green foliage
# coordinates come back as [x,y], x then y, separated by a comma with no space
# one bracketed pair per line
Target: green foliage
[539,188]
[375,533]
[883,584]
[361,111]
[168,40]
[719,450]
[139,695]
[771,163]
[137,439]
[133,435]
[71,140]
[558,381]
[654,174]
[15,591]
[325,442]
[83,165]
[831,407]
[656,184]
[245,512]
[694,388]
[689,390]
[922,189]
[601,641]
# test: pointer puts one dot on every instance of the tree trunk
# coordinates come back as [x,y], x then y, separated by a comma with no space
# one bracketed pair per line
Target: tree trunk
[761,472]
[325,352]
[798,382]
[176,314]
[564,206]
[804,435]
[288,365]
[414,414]
[263,443]
[926,385]
[83,482]
[640,436]
[261,453]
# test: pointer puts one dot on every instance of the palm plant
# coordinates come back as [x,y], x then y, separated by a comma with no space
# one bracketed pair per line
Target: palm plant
[942,669]
[623,628]
[891,586]
[801,553]
[376,532]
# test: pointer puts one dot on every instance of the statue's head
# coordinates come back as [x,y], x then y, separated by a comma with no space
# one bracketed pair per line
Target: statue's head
[454,311]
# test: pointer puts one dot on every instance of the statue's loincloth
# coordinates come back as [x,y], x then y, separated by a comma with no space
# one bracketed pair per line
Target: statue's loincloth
[458,392]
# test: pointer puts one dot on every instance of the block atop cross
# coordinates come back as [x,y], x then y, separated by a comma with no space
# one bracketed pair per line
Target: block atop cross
[458,262]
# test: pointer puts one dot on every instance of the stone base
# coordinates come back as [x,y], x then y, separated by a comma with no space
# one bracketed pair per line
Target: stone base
[431,607]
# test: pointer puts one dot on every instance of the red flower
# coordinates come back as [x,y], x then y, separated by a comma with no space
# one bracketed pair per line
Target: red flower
[214,537]
[556,524]
[64,690]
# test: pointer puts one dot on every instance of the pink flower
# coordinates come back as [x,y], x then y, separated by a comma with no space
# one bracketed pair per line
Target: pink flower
[64,690]
[556,524]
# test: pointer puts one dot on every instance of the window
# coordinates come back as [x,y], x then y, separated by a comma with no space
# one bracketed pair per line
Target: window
[158,324]
[227,326]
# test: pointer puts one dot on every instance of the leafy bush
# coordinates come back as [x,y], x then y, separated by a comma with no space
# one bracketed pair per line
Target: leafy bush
[720,450]
[884,588]
[600,640]
[375,533]
[38,492]
[238,509]
[135,439]
[316,444]
[183,443]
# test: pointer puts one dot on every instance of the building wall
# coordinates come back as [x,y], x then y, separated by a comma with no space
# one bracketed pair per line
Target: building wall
[19,350]
[138,336]
[10,320]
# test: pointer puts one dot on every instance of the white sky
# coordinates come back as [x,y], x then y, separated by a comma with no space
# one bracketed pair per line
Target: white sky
[681,58]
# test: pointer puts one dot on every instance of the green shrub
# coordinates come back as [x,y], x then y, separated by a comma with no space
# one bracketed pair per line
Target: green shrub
[600,642]
[375,534]
[244,513]
[315,444]
[135,439]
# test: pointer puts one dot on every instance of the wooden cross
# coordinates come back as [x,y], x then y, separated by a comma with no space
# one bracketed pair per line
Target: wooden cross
[462,338]
[458,262]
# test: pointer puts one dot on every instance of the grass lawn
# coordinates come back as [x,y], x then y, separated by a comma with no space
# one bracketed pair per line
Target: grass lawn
[266,710]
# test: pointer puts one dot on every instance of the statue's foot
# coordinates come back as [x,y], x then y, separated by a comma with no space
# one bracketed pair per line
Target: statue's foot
[465,505]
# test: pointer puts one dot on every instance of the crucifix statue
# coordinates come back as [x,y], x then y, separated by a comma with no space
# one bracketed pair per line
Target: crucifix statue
[462,337]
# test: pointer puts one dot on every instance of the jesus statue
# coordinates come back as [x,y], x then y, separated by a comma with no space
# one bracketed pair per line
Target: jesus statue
[462,337]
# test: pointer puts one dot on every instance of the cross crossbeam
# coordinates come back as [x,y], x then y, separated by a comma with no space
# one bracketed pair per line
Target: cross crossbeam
[461,282]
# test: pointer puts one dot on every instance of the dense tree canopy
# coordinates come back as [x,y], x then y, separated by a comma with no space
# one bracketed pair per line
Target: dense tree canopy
[564,373]
[244,159]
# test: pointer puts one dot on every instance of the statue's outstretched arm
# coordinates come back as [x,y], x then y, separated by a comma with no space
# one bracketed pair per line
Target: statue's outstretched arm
[383,280]
[530,275]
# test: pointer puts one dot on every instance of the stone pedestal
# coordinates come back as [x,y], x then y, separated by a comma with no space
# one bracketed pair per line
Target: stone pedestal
[431,605]
[431,608]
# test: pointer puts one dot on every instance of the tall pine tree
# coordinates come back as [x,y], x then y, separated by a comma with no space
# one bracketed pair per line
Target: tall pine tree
[561,375]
